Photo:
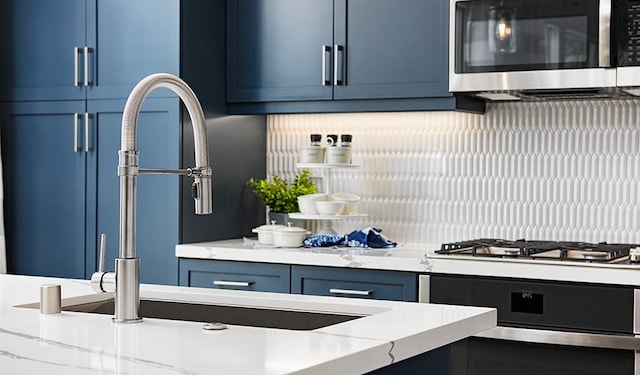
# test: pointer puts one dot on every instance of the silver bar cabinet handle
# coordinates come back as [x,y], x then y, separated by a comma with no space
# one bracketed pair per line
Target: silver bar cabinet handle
[325,49]
[336,60]
[350,291]
[76,144]
[87,50]
[76,74]
[233,283]
[87,134]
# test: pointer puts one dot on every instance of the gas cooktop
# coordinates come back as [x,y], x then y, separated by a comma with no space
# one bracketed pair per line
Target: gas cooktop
[545,250]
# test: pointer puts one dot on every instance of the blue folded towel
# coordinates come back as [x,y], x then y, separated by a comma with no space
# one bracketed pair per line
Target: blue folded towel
[368,237]
[324,240]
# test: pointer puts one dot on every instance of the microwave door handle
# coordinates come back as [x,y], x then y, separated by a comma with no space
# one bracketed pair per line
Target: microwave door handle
[604,32]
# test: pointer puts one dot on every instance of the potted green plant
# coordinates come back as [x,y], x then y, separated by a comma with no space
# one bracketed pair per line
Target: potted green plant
[280,196]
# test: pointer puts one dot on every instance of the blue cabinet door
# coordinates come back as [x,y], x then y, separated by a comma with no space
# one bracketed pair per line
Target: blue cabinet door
[289,50]
[355,283]
[130,40]
[45,190]
[275,50]
[219,274]
[77,49]
[157,219]
[391,49]
[38,42]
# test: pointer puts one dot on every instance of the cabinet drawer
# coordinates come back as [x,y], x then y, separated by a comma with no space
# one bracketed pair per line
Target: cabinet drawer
[356,283]
[261,277]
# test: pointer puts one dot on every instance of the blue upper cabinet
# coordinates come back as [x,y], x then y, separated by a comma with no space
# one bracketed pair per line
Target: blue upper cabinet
[390,49]
[339,56]
[42,58]
[275,50]
[126,46]
[85,49]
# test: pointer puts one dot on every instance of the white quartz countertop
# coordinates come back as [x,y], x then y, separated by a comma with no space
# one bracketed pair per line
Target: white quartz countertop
[413,258]
[83,343]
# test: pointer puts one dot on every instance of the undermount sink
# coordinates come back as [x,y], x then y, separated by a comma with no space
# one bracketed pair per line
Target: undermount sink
[207,313]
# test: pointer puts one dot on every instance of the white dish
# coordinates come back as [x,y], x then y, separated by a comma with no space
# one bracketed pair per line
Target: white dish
[329,207]
[313,197]
[351,202]
[307,206]
[265,232]
[289,236]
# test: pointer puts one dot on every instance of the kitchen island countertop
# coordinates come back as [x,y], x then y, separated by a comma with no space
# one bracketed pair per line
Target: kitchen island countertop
[83,343]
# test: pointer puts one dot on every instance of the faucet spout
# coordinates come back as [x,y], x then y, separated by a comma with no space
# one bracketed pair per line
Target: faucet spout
[127,275]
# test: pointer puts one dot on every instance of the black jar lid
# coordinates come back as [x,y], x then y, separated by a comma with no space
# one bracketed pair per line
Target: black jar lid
[346,137]
[333,137]
[316,137]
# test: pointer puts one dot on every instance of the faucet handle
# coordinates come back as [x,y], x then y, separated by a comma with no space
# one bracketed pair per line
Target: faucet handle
[102,281]
[103,252]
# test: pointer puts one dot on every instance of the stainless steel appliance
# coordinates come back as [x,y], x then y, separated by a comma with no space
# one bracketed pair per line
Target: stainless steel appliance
[541,49]
[545,326]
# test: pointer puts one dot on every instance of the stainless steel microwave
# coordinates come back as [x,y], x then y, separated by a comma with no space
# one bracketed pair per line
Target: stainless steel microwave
[501,49]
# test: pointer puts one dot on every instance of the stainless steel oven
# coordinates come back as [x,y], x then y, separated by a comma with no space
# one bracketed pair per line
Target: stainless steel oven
[544,326]
[529,48]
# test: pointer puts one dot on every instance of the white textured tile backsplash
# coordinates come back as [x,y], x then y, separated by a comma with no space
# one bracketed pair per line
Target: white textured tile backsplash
[549,170]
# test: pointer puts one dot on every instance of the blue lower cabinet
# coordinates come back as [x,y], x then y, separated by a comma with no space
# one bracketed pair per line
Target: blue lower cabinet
[45,169]
[261,277]
[62,186]
[356,283]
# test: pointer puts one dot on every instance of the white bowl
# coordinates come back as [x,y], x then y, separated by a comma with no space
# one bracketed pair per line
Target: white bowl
[329,207]
[351,202]
[313,197]
[307,206]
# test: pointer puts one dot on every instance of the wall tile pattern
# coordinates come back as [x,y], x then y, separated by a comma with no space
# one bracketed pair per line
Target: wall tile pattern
[565,170]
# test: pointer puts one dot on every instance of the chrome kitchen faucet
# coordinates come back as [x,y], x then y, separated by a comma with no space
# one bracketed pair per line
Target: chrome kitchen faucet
[125,281]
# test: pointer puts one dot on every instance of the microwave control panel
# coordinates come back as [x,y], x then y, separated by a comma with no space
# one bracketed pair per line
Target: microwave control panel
[629,33]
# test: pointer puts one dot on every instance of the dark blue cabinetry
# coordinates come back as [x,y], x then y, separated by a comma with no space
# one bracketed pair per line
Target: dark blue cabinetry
[275,50]
[45,209]
[285,278]
[390,49]
[339,55]
[64,189]
[261,277]
[58,200]
[357,283]
[77,49]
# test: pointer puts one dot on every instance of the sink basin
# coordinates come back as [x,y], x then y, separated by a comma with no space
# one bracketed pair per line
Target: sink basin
[206,313]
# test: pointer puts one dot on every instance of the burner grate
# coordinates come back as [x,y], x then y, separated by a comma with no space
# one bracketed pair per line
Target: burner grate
[553,250]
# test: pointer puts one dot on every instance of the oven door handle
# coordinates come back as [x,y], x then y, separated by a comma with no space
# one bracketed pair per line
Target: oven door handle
[541,336]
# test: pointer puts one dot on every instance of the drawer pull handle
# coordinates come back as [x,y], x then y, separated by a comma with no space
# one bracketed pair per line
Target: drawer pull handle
[245,284]
[350,291]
